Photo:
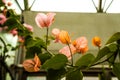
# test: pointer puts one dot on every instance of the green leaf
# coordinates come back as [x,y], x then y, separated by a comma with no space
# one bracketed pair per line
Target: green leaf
[113,47]
[56,62]
[12,23]
[38,42]
[56,74]
[113,53]
[74,74]
[85,60]
[111,58]
[103,52]
[114,38]
[104,75]
[1,3]
[30,53]
[44,57]
[116,70]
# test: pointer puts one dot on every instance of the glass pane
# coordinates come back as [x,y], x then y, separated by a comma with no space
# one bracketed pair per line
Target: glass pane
[109,6]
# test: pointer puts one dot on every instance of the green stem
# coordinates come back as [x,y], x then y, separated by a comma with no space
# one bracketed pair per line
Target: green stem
[50,53]
[2,62]
[47,37]
[70,54]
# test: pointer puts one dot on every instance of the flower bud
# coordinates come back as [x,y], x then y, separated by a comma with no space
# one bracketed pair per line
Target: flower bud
[96,41]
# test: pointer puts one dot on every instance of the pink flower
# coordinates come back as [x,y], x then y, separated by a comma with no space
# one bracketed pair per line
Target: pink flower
[44,20]
[14,32]
[4,1]
[29,27]
[21,39]
[81,44]
[66,51]
[55,33]
[2,19]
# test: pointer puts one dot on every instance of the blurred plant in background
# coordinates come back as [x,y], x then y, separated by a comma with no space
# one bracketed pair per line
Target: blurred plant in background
[61,64]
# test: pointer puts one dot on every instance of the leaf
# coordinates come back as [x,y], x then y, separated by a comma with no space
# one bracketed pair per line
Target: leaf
[116,70]
[74,74]
[114,38]
[12,23]
[111,59]
[85,60]
[56,74]
[113,47]
[44,57]
[104,75]
[103,52]
[56,62]
[38,42]
[1,3]
[32,50]
[113,54]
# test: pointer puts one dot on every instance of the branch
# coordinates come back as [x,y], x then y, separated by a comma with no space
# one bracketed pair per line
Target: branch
[6,68]
[5,48]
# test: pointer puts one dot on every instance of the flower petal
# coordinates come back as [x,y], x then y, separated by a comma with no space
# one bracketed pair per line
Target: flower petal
[41,20]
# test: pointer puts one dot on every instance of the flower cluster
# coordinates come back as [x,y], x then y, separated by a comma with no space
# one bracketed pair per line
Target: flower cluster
[80,45]
[63,61]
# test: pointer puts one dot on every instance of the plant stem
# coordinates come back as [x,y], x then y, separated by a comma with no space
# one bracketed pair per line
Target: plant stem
[7,68]
[50,53]
[5,48]
[47,37]
[70,54]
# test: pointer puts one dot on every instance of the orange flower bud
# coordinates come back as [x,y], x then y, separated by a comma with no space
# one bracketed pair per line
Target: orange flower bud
[64,37]
[74,43]
[96,41]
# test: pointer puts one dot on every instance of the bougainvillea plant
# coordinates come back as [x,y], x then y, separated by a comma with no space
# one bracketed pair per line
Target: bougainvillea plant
[61,63]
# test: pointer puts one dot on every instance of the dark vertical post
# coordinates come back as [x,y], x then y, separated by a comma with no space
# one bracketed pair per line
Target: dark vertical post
[100,10]
[26,5]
